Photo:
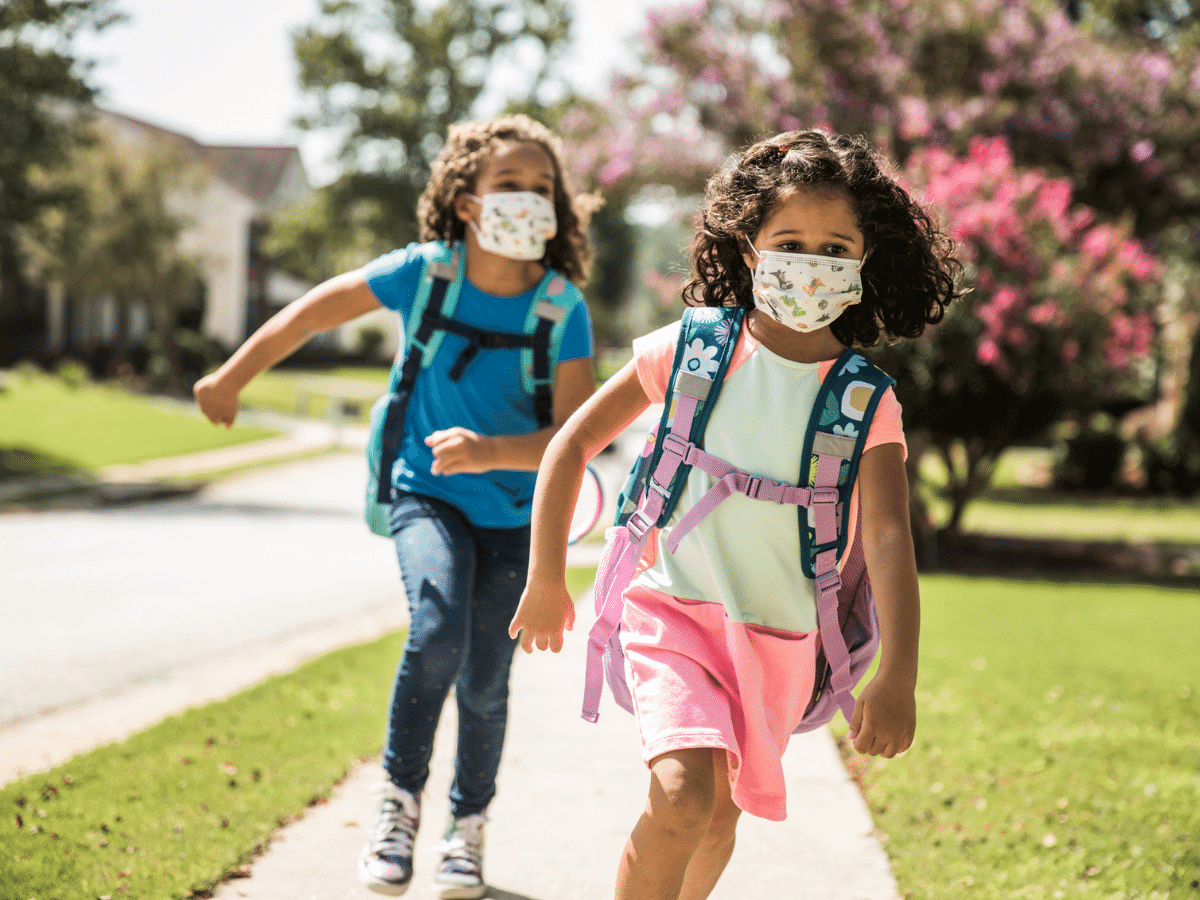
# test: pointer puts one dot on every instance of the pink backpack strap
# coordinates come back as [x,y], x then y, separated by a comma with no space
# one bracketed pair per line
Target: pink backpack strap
[732,480]
[625,550]
[826,517]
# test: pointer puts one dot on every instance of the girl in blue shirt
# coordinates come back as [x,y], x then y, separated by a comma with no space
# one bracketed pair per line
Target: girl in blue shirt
[466,464]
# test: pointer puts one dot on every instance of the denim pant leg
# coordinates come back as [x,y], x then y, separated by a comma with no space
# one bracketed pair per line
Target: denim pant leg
[482,687]
[436,551]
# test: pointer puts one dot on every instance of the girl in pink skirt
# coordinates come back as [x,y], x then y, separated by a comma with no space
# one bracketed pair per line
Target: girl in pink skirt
[720,636]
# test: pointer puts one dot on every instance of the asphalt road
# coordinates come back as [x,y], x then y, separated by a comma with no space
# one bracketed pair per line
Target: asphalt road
[93,603]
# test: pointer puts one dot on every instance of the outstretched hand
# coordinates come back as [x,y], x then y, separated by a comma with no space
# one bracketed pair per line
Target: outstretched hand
[542,617]
[219,405]
[884,719]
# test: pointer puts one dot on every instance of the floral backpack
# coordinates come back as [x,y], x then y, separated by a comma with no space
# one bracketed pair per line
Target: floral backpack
[833,445]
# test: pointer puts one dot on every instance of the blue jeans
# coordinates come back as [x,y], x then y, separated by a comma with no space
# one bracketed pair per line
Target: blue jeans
[463,585]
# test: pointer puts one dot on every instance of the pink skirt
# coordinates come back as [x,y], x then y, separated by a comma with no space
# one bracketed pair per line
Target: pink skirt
[700,680]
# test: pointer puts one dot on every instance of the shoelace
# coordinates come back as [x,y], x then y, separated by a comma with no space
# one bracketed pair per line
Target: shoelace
[395,830]
[462,850]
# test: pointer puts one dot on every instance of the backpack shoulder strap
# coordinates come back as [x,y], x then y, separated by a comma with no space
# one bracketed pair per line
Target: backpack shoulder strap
[553,303]
[437,288]
[446,264]
[703,351]
[833,447]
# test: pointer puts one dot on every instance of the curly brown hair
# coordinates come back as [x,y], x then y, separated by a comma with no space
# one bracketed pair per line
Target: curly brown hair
[456,170]
[910,273]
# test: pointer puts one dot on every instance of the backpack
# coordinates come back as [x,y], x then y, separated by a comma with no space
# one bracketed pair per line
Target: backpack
[833,445]
[432,315]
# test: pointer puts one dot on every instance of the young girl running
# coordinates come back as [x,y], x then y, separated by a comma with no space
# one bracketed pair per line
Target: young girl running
[466,462]
[720,636]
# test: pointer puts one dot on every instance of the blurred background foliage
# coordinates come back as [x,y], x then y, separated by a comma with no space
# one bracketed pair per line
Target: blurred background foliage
[1057,141]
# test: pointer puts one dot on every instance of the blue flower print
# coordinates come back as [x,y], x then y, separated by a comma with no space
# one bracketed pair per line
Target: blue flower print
[853,365]
[699,359]
[847,430]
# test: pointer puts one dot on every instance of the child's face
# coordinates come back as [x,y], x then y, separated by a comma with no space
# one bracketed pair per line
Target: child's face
[814,222]
[515,166]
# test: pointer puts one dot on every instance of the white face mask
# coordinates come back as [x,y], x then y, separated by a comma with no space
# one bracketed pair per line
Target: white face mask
[515,224]
[805,292]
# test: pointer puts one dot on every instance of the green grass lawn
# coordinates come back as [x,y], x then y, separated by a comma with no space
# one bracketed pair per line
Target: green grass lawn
[1134,521]
[175,809]
[283,390]
[1057,750]
[1012,509]
[47,426]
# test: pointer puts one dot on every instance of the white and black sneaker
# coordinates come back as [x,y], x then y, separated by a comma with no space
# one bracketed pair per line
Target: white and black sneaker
[460,873]
[386,862]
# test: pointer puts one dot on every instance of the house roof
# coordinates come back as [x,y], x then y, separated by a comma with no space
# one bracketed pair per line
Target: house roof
[256,170]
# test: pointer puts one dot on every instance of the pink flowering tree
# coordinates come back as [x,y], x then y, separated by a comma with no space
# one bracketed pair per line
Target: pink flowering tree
[1115,111]
[1059,318]
[1054,151]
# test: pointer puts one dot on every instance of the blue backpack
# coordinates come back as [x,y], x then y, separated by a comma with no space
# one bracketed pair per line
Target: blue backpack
[432,315]
[833,445]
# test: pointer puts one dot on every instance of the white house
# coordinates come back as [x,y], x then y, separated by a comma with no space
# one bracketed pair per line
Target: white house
[244,188]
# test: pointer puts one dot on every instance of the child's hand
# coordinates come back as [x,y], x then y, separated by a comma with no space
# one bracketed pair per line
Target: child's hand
[885,718]
[544,614]
[218,404]
[458,451]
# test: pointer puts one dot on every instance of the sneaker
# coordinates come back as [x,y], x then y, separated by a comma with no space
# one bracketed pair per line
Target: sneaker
[386,863]
[460,873]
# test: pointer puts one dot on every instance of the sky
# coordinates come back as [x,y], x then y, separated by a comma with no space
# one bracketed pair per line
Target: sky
[222,71]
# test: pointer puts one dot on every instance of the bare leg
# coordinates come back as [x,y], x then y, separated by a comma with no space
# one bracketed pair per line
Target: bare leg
[678,813]
[710,859]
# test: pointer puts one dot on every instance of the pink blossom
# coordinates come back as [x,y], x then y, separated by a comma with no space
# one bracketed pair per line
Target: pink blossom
[1045,313]
[1158,66]
[614,170]
[1142,150]
[914,118]
[987,352]
[1016,336]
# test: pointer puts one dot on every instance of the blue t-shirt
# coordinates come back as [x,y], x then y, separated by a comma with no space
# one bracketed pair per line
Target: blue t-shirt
[488,399]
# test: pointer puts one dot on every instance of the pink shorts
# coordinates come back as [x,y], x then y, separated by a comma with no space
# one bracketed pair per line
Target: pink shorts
[700,680]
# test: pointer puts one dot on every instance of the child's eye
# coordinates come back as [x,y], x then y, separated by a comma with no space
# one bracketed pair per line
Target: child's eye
[835,250]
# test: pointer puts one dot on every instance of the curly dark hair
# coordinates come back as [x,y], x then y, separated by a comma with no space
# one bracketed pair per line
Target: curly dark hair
[456,170]
[910,273]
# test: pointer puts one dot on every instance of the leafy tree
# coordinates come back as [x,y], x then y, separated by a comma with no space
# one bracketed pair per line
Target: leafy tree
[40,75]
[390,76]
[117,236]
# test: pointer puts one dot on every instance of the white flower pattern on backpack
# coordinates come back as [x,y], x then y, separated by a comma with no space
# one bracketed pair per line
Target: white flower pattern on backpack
[700,359]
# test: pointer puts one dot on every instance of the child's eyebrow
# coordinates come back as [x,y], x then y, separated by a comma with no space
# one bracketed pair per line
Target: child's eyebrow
[793,231]
[500,173]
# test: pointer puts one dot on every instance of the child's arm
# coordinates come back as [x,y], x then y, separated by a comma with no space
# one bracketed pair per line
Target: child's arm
[326,306]
[546,608]
[885,715]
[459,450]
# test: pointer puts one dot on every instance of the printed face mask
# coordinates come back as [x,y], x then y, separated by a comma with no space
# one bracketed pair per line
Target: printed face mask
[805,292]
[515,224]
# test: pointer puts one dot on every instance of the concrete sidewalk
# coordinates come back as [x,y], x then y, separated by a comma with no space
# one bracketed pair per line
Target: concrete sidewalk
[569,792]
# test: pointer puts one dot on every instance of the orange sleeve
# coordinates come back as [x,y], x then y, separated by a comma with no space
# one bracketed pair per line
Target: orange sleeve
[887,427]
[652,357]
